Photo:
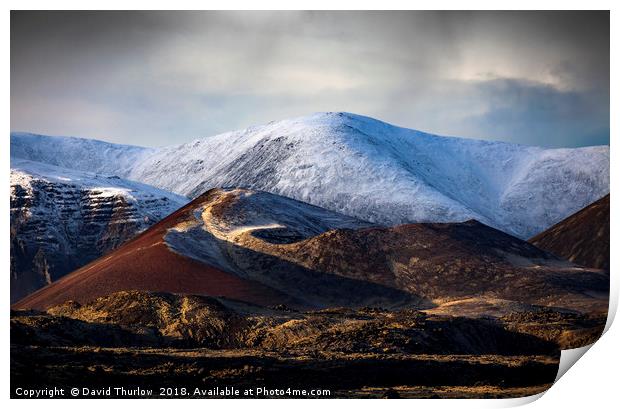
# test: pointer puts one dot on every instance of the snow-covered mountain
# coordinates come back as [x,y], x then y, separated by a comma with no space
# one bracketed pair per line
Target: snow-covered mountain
[361,167]
[87,155]
[61,219]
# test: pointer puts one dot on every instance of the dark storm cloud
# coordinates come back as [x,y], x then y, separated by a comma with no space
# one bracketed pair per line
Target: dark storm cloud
[155,78]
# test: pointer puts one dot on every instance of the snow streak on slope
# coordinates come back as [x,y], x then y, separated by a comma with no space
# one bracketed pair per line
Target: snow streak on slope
[385,174]
[231,227]
[61,219]
[233,215]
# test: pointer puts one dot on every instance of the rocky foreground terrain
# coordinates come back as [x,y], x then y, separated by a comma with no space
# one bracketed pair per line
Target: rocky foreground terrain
[158,340]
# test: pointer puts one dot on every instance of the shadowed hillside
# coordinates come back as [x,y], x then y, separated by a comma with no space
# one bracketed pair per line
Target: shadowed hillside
[582,238]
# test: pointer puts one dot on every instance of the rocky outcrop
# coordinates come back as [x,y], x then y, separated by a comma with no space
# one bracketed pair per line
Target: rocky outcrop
[161,319]
[60,225]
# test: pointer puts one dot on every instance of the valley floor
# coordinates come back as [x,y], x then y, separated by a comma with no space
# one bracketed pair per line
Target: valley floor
[344,375]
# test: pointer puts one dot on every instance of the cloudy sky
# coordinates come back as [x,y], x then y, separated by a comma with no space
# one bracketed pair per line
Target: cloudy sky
[157,78]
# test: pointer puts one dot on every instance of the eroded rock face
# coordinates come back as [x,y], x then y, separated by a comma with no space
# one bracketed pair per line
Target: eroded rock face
[59,225]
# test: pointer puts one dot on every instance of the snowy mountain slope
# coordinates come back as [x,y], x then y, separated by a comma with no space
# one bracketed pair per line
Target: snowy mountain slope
[87,155]
[61,219]
[381,173]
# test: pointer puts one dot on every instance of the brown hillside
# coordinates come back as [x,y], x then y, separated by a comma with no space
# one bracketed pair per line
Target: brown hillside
[582,238]
[267,249]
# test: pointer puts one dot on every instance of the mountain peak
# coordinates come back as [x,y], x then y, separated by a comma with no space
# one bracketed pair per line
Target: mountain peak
[362,167]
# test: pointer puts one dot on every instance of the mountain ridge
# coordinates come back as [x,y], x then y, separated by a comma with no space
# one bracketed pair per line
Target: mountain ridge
[379,172]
